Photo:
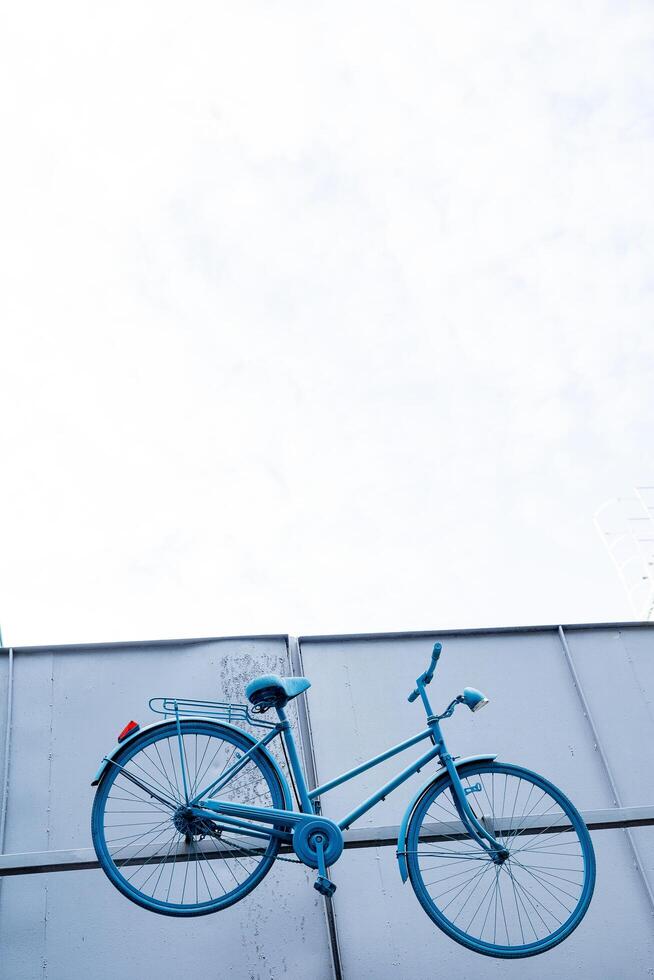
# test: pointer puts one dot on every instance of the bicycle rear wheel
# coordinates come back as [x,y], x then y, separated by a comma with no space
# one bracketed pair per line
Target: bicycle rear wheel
[524,906]
[151,851]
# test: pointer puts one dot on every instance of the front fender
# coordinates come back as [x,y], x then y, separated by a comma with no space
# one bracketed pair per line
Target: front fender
[218,724]
[401,838]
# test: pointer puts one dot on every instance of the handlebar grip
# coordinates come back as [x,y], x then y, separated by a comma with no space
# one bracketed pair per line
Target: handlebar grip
[434,660]
[414,695]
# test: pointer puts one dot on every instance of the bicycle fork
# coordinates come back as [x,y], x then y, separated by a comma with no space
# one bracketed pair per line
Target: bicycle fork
[477,831]
[475,828]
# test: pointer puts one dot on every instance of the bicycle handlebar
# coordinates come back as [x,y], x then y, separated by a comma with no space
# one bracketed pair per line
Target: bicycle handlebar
[429,673]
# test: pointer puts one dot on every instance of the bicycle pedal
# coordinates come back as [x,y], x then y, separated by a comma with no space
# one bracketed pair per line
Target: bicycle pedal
[324,886]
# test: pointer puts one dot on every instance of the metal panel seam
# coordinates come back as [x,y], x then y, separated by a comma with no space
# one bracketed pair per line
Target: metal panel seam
[617,802]
[306,736]
[7,744]
[4,799]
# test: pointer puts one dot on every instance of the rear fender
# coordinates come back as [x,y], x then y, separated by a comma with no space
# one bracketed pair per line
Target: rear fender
[441,774]
[116,751]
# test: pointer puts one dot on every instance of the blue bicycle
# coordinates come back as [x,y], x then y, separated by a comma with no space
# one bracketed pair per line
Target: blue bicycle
[191,812]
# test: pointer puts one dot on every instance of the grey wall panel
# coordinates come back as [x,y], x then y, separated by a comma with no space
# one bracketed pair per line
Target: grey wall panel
[76,926]
[4,680]
[358,708]
[644,838]
[364,684]
[69,705]
[385,934]
[29,796]
[616,668]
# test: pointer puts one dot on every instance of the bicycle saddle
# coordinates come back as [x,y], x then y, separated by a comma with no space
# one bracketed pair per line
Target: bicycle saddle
[272,691]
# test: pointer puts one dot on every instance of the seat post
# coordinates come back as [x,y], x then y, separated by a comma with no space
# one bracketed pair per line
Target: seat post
[306,805]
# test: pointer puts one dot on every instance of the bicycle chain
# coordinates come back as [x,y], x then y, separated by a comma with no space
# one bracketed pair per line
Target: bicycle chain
[245,853]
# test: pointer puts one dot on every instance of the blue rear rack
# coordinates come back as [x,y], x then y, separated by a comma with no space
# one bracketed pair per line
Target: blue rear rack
[224,710]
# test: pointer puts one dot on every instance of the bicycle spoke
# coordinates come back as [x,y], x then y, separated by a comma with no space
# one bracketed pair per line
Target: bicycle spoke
[158,785]
[198,767]
[474,914]
[490,903]
[150,790]
[134,837]
[547,833]
[138,799]
[162,770]
[527,916]
[537,902]
[480,874]
[538,877]
[202,778]
[506,927]
[132,857]
[162,860]
[451,856]
[457,874]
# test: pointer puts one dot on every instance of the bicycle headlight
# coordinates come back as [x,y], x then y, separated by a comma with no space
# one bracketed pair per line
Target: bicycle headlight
[473,698]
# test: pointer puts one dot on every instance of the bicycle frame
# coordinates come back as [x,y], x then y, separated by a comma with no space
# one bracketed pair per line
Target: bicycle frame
[242,817]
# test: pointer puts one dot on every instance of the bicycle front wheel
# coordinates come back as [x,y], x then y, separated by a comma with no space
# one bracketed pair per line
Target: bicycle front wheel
[147,844]
[537,896]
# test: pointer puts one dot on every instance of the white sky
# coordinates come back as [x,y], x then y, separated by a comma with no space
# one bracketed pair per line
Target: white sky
[320,317]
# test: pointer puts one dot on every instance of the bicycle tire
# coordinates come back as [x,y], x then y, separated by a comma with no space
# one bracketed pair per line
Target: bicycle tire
[530,816]
[178,860]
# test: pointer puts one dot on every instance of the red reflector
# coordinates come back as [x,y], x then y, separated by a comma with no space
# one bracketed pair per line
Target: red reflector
[130,727]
